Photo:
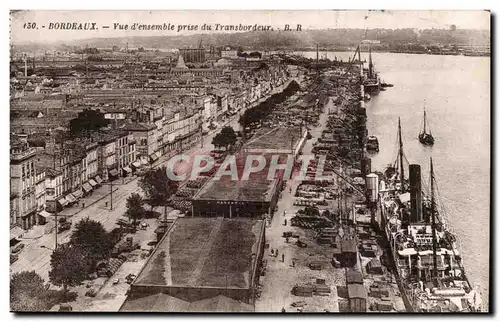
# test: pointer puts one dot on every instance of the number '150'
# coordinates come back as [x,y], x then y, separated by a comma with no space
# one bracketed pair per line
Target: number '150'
[29,25]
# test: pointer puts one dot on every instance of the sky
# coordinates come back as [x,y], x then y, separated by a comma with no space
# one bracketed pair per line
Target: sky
[309,19]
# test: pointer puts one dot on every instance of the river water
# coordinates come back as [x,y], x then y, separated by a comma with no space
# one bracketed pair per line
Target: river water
[456,93]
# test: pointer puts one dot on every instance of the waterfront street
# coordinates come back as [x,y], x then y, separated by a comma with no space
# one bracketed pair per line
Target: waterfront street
[37,251]
[282,276]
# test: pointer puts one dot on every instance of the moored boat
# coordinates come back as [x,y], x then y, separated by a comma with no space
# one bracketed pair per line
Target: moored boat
[424,137]
[429,265]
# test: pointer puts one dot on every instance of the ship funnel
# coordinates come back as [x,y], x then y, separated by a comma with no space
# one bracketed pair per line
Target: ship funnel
[415,193]
[366,166]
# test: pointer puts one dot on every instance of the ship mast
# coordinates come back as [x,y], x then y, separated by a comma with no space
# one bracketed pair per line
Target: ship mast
[317,61]
[433,214]
[370,64]
[402,170]
[424,121]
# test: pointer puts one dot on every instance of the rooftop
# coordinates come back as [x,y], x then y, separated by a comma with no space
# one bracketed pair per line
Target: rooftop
[257,188]
[204,252]
[165,303]
[140,127]
[280,138]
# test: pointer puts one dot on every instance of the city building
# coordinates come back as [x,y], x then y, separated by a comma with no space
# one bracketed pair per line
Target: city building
[183,128]
[228,53]
[146,141]
[53,187]
[22,183]
[40,190]
[122,152]
[107,163]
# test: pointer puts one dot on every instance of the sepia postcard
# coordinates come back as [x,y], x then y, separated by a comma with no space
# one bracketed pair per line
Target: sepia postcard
[286,161]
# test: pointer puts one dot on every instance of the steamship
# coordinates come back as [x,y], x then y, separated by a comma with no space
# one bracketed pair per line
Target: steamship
[372,81]
[426,254]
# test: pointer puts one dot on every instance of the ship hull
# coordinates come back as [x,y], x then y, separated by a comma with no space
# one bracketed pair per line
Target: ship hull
[406,293]
[382,221]
[381,218]
[426,139]
[372,88]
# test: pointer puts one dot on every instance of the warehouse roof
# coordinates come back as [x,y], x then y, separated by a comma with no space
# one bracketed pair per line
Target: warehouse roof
[204,252]
[165,303]
[257,188]
[279,138]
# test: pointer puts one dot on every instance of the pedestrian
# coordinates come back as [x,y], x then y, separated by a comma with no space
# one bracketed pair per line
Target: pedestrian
[283,258]
[272,251]
[276,253]
[293,262]
[283,310]
[285,222]
[290,189]
[284,213]
[286,240]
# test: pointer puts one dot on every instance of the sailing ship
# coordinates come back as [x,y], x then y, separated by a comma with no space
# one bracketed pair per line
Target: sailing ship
[429,266]
[372,144]
[372,81]
[424,137]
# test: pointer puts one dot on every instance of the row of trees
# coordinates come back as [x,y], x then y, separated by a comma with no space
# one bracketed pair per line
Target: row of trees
[157,187]
[226,138]
[74,261]
[261,111]
[71,264]
[89,243]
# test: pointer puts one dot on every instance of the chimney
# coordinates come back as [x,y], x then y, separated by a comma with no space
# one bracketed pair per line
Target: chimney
[366,166]
[415,193]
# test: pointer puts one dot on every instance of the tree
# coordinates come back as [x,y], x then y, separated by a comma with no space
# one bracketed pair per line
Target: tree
[229,135]
[218,140]
[69,266]
[135,207]
[87,122]
[225,138]
[157,187]
[91,237]
[25,285]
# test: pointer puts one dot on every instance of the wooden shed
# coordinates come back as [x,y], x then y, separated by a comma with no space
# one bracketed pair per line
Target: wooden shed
[354,277]
[303,290]
[357,297]
[348,256]
[374,267]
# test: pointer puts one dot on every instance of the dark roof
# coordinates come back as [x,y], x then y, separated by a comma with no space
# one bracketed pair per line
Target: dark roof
[220,304]
[356,291]
[165,303]
[155,303]
[374,263]
[49,172]
[348,246]
[39,170]
[140,127]
[354,277]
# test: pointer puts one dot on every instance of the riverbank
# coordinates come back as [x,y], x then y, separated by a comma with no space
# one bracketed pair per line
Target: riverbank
[374,50]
